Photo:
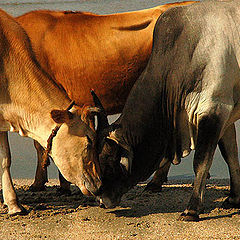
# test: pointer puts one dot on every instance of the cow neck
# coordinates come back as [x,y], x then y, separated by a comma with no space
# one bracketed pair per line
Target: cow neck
[45,161]
[28,94]
[142,127]
[29,109]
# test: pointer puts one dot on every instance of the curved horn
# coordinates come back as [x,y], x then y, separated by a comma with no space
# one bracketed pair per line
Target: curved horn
[102,122]
[101,116]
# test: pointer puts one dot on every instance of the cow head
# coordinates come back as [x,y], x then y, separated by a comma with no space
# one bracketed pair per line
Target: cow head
[74,148]
[115,160]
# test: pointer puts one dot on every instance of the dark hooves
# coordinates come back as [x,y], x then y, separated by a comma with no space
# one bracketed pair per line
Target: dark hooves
[33,188]
[189,217]
[227,204]
[152,187]
[62,191]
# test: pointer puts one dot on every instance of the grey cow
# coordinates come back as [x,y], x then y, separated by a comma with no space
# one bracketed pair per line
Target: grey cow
[187,98]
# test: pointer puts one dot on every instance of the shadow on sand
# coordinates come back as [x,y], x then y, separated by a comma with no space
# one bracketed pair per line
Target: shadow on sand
[174,199]
[135,204]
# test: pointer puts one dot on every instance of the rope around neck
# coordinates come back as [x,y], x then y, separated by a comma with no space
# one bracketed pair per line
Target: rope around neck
[45,156]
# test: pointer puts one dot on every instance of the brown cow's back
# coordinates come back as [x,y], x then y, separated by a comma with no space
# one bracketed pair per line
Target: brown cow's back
[84,51]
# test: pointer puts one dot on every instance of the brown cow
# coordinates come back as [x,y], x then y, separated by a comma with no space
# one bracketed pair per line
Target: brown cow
[27,96]
[84,51]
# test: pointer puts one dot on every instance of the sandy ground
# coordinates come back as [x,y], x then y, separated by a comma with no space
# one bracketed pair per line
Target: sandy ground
[142,215]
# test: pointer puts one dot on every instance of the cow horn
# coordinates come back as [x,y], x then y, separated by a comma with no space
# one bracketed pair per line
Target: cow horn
[101,116]
[102,122]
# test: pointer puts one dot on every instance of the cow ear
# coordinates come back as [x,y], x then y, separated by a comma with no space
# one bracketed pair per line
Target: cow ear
[61,116]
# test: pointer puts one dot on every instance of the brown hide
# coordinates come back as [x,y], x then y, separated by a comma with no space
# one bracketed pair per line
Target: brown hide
[84,51]
[27,96]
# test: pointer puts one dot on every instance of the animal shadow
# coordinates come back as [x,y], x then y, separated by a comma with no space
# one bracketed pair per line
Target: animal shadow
[49,202]
[173,199]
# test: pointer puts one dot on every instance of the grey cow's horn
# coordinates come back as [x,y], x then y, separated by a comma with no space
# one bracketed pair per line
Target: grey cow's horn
[102,122]
[101,116]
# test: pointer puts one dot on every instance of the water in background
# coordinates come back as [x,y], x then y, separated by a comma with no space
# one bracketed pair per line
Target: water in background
[15,7]
[23,153]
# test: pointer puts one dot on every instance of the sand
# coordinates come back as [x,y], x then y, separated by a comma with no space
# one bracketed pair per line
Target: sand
[141,215]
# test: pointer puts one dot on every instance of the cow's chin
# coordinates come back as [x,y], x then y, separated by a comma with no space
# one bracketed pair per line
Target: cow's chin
[85,191]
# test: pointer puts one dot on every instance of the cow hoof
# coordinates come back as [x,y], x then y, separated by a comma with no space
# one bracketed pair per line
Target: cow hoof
[3,205]
[21,213]
[227,204]
[152,187]
[63,192]
[33,188]
[189,217]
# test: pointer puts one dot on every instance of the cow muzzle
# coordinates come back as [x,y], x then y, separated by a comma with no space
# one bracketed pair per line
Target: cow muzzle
[105,202]
[91,187]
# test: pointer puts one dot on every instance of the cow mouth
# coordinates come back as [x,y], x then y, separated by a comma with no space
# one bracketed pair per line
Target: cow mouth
[107,203]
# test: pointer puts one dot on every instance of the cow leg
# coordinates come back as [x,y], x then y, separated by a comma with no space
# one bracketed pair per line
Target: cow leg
[159,177]
[41,173]
[9,194]
[64,185]
[229,150]
[209,129]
